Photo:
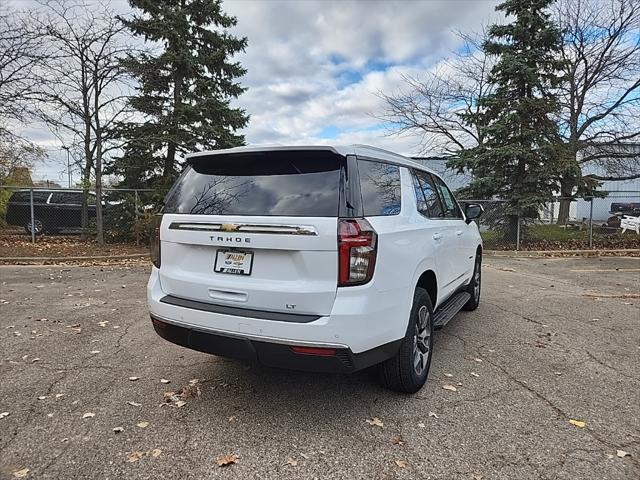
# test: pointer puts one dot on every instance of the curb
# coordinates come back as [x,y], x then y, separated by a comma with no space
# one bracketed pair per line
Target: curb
[564,253]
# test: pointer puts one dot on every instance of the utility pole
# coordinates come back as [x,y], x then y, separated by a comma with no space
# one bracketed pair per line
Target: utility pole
[68,166]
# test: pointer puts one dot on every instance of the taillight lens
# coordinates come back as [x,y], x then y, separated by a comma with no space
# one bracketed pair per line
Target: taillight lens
[357,247]
[155,241]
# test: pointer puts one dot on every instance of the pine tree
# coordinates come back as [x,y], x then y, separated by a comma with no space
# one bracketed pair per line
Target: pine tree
[518,161]
[184,91]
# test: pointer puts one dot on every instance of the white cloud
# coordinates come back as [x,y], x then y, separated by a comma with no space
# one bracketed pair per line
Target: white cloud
[313,67]
[317,65]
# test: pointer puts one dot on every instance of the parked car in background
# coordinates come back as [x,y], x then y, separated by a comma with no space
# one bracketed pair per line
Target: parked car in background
[625,208]
[314,258]
[53,210]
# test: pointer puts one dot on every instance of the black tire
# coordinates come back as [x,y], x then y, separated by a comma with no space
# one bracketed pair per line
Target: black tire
[475,285]
[402,373]
[39,224]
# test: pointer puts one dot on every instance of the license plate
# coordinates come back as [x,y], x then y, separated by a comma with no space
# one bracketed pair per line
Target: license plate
[230,261]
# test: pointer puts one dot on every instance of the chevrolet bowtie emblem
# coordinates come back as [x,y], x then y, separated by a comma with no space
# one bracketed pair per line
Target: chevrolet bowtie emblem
[229,227]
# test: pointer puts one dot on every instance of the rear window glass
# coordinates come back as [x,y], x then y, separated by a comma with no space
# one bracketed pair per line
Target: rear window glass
[380,186]
[292,183]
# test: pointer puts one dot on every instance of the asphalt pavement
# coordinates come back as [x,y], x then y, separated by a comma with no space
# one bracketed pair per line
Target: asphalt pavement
[545,372]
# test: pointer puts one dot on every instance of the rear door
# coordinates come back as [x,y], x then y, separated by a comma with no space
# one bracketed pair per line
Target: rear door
[255,230]
[462,233]
[440,232]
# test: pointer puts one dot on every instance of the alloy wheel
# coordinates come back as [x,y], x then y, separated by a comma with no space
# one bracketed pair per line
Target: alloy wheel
[422,340]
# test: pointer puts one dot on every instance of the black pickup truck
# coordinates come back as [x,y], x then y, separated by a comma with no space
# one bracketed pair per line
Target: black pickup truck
[53,210]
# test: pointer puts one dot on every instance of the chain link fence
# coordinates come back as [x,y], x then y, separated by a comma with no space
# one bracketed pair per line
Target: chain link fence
[564,224]
[35,221]
[49,221]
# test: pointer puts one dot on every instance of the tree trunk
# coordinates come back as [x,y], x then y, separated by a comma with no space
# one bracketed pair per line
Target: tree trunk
[98,165]
[99,220]
[84,216]
[566,190]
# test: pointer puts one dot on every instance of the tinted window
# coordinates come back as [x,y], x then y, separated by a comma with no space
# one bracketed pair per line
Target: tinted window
[68,198]
[380,186]
[38,197]
[428,200]
[296,183]
[451,209]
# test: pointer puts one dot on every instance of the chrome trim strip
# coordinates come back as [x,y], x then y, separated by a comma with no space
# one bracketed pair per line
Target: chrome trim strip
[259,338]
[245,228]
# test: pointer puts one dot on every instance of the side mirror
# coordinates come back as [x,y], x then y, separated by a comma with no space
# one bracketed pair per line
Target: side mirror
[473,211]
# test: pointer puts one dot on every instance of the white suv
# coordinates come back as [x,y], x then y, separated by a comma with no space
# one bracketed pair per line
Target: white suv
[315,258]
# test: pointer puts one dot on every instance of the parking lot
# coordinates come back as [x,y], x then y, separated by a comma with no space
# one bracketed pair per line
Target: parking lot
[554,340]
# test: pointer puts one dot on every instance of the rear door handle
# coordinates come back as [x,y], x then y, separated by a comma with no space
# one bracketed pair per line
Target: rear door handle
[437,236]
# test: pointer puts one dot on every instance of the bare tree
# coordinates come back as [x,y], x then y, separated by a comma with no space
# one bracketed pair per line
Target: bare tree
[441,108]
[83,88]
[600,94]
[21,53]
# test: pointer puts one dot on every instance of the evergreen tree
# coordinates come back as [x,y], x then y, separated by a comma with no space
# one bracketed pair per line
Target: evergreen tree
[518,161]
[184,91]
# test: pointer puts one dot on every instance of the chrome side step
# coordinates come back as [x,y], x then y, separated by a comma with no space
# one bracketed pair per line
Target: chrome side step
[449,309]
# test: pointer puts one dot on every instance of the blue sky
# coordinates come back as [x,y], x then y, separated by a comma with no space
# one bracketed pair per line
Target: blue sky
[314,67]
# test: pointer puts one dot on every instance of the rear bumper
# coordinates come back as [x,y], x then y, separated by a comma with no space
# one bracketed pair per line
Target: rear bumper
[339,359]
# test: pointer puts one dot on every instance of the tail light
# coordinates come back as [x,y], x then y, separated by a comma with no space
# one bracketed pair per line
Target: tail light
[155,241]
[357,248]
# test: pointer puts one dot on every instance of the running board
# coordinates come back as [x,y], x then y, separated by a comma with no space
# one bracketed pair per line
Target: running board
[447,311]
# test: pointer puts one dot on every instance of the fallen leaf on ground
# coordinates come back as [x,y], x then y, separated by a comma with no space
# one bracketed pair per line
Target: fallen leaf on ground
[232,418]
[21,473]
[35,360]
[477,476]
[474,374]
[402,463]
[292,462]
[58,395]
[118,429]
[227,460]
[397,440]
[433,414]
[134,404]
[94,352]
[479,360]
[42,397]
[133,379]
[375,422]
[577,423]
[450,388]
[142,424]
[4,414]
[177,398]
[135,456]
[164,380]
[448,375]
[88,415]
[622,453]
[103,323]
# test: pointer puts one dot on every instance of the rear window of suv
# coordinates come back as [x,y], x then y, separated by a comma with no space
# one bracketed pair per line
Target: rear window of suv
[282,183]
